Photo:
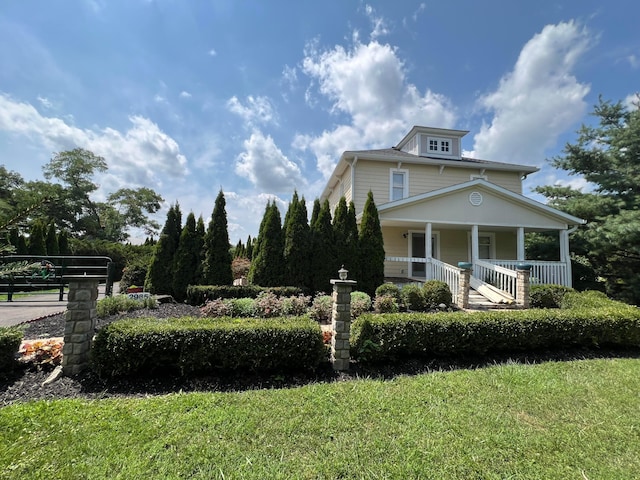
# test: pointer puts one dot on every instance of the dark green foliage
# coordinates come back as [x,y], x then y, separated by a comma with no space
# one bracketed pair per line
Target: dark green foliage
[587,299]
[63,243]
[435,293]
[378,338]
[200,236]
[345,233]
[371,249]
[315,212]
[267,267]
[187,259]
[117,252]
[360,303]
[323,261]
[199,294]
[37,245]
[297,244]
[386,304]
[122,303]
[52,240]
[22,248]
[606,251]
[388,288]
[217,264]
[199,345]
[10,339]
[413,297]
[548,296]
[249,248]
[160,274]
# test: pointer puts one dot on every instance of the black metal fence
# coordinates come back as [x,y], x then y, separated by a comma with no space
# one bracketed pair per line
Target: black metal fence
[53,272]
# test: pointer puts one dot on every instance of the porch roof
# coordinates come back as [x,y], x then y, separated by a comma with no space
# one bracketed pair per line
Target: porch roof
[476,202]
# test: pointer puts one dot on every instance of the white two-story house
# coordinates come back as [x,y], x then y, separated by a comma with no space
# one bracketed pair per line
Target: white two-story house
[438,208]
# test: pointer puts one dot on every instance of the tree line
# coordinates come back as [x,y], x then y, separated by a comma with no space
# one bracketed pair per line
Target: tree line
[296,252]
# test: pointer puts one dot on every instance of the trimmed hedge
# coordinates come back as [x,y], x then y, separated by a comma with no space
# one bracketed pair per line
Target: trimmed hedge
[198,345]
[588,299]
[199,294]
[376,338]
[10,339]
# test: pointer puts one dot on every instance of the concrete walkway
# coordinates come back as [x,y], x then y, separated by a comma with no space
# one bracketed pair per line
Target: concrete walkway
[33,307]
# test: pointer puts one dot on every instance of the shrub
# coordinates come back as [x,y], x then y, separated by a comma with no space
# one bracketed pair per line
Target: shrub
[195,345]
[548,296]
[400,336]
[122,303]
[10,339]
[360,303]
[242,307]
[134,273]
[321,308]
[436,292]
[199,294]
[240,267]
[296,305]
[268,305]
[587,299]
[389,289]
[413,297]
[217,308]
[386,304]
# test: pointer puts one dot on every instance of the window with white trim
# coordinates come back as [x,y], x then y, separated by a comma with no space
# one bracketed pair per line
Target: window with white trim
[398,184]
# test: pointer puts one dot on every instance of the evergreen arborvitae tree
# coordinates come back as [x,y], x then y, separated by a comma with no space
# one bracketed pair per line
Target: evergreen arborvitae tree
[52,240]
[345,232]
[13,238]
[200,234]
[187,259]
[297,248]
[267,267]
[249,248]
[239,250]
[160,274]
[63,243]
[217,264]
[22,248]
[371,249]
[37,245]
[324,254]
[315,212]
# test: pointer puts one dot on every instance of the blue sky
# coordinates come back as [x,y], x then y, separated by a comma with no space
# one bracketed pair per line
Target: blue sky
[260,98]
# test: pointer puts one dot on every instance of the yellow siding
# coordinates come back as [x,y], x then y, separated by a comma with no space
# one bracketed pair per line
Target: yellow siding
[454,246]
[374,176]
[506,245]
[395,246]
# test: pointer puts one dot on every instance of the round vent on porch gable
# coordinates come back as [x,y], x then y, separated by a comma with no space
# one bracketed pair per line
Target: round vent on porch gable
[475,198]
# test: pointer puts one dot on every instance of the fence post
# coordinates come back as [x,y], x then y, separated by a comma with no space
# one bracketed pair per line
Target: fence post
[464,284]
[523,287]
[80,324]
[341,321]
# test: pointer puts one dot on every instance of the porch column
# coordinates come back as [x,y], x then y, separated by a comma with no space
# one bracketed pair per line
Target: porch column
[475,250]
[520,241]
[565,255]
[428,248]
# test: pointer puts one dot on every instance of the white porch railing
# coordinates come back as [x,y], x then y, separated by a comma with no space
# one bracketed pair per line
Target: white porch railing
[435,270]
[542,272]
[500,277]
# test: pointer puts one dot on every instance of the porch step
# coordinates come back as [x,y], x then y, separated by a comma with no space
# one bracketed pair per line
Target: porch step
[480,302]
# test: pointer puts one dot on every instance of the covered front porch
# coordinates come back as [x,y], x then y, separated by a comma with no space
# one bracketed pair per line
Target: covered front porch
[479,223]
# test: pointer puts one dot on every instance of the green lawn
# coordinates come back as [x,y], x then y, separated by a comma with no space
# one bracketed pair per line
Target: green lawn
[572,420]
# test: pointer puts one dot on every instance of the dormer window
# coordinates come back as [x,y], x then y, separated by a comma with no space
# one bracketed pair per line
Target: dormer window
[439,146]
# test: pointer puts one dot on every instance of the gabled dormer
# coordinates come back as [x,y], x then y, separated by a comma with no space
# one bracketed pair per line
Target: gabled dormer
[433,142]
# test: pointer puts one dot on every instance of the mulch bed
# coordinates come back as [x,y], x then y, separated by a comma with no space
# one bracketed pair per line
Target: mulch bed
[27,382]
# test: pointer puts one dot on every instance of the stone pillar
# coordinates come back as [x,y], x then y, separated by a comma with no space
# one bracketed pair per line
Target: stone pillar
[523,285]
[464,284]
[80,324]
[341,324]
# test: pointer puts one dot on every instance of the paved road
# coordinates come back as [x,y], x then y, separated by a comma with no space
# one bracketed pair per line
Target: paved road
[32,307]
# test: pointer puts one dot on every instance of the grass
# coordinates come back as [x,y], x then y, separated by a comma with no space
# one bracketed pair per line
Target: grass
[554,420]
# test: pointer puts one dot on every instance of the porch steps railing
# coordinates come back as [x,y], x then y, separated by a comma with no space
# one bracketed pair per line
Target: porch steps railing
[435,270]
[498,284]
[542,272]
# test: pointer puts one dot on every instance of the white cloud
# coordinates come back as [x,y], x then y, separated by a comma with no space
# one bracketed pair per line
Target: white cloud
[142,155]
[378,23]
[159,99]
[538,100]
[185,94]
[634,61]
[256,110]
[367,83]
[264,164]
[632,102]
[212,53]
[45,102]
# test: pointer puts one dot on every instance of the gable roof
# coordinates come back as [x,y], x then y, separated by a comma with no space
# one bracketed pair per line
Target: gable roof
[520,206]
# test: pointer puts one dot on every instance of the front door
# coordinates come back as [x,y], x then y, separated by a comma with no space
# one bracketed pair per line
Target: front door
[417,248]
